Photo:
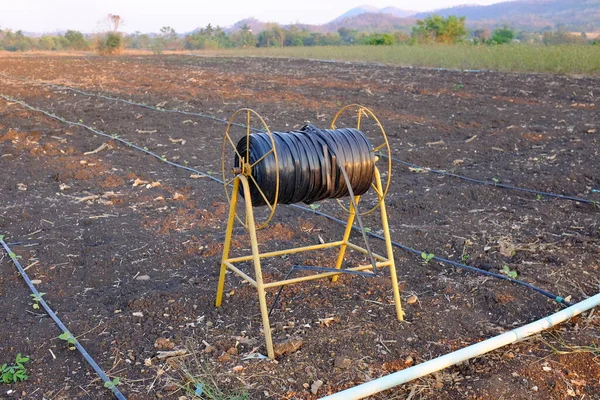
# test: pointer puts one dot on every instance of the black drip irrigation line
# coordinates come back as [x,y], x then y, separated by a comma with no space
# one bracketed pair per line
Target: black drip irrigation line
[221,120]
[492,183]
[40,299]
[130,102]
[558,299]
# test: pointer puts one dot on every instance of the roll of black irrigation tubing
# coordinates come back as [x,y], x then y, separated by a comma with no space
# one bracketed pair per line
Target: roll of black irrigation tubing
[310,164]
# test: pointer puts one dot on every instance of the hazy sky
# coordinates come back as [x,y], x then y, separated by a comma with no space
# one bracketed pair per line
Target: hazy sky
[184,15]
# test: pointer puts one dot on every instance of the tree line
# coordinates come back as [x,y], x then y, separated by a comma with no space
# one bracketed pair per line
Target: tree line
[433,29]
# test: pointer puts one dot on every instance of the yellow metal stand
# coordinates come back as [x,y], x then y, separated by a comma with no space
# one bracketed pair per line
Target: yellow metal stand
[256,256]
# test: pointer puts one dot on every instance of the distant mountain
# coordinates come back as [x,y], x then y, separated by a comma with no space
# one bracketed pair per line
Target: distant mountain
[529,15]
[577,15]
[357,11]
[254,24]
[367,9]
[371,22]
[397,12]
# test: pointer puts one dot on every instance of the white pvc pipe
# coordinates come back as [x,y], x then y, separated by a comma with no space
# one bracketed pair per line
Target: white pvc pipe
[420,370]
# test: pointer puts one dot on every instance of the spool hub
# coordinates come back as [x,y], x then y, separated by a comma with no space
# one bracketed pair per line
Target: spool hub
[241,124]
[354,115]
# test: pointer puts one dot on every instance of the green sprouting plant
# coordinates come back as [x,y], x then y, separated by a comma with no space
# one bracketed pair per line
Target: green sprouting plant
[111,384]
[427,256]
[459,86]
[67,337]
[496,181]
[14,373]
[464,258]
[539,197]
[1,237]
[37,298]
[510,273]
[314,206]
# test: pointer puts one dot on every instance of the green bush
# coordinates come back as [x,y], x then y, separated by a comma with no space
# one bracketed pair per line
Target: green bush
[157,45]
[502,36]
[110,43]
[76,41]
[380,40]
[440,30]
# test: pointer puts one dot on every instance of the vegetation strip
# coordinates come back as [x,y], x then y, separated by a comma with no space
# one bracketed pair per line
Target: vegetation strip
[558,299]
[66,335]
[214,118]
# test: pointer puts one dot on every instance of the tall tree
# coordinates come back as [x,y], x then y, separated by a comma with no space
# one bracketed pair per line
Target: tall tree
[439,29]
[111,42]
[76,41]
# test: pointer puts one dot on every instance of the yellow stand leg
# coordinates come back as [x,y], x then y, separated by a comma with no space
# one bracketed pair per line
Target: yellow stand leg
[389,250]
[344,245]
[227,244]
[262,298]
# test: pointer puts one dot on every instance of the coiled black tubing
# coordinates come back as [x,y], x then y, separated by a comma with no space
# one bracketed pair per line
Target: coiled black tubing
[310,162]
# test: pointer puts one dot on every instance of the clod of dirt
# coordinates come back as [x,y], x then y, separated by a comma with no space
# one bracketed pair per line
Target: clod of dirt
[143,278]
[412,299]
[164,344]
[138,314]
[314,388]
[237,368]
[408,361]
[64,187]
[171,387]
[342,362]
[288,347]
[246,341]
[327,321]
[22,186]
[439,382]
[178,196]
[225,357]
[233,351]
[209,348]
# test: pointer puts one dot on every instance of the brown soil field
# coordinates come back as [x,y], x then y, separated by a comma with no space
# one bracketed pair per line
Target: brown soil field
[87,232]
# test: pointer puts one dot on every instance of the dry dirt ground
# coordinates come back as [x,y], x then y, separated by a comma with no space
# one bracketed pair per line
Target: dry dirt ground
[88,232]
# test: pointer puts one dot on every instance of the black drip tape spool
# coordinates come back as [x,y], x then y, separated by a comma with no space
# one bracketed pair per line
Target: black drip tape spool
[310,162]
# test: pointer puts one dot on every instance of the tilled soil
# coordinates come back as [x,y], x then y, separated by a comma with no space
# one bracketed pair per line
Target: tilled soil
[127,248]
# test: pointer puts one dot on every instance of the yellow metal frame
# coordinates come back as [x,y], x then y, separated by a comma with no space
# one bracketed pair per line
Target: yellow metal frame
[256,256]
